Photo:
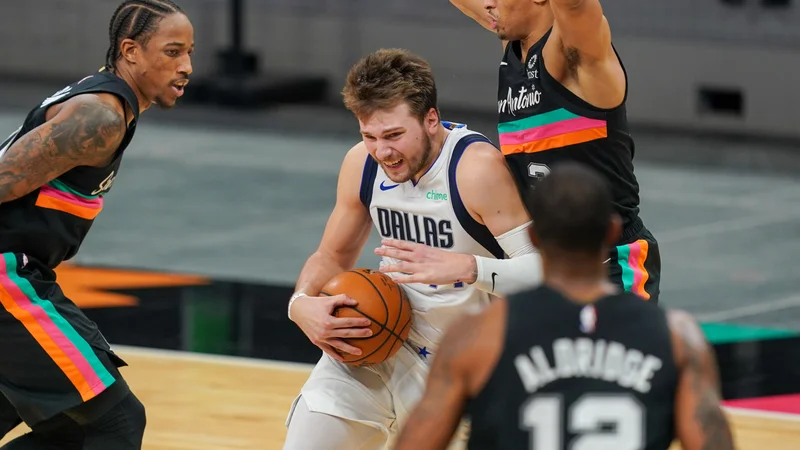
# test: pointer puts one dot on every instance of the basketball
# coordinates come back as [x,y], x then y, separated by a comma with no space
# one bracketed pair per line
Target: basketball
[380,300]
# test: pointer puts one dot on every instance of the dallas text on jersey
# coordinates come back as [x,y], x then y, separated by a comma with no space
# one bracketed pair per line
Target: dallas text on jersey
[411,227]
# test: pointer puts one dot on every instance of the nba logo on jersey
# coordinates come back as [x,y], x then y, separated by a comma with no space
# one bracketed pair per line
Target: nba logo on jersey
[588,319]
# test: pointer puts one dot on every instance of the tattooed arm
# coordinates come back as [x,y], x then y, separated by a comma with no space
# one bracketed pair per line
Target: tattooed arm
[85,131]
[700,421]
[466,358]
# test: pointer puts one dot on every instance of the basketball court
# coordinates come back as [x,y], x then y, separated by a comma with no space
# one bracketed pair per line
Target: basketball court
[209,223]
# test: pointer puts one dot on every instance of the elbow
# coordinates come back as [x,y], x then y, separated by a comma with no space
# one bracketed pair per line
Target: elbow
[339,260]
[7,195]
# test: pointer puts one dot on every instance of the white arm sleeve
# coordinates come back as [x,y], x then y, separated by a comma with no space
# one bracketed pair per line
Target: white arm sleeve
[522,270]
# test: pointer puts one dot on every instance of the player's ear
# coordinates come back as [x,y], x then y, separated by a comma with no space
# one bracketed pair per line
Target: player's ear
[614,230]
[130,50]
[431,120]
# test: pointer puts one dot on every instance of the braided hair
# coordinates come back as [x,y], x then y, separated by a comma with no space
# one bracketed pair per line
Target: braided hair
[135,19]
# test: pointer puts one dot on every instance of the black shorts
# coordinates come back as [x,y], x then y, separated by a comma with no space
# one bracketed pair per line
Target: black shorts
[52,357]
[636,265]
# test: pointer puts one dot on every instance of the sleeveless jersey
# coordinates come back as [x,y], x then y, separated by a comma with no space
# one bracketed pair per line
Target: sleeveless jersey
[431,212]
[50,223]
[579,376]
[541,123]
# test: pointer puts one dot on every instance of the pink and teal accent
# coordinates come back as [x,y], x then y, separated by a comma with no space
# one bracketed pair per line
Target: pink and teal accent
[550,130]
[68,350]
[631,258]
[58,196]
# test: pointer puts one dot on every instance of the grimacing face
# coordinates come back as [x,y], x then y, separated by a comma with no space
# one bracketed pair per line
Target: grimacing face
[164,63]
[399,142]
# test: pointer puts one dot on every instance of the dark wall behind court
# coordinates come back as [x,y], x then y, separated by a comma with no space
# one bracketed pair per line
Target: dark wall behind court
[699,64]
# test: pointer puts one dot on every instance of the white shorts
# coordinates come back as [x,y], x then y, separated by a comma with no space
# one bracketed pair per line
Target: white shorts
[381,396]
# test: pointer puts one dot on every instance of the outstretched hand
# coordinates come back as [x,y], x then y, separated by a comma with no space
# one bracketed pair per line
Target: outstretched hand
[420,263]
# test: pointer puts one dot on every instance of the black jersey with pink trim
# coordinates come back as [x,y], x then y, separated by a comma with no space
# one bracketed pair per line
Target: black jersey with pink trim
[50,223]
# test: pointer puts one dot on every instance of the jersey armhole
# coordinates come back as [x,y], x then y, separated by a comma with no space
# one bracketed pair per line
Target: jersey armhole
[368,181]
[479,232]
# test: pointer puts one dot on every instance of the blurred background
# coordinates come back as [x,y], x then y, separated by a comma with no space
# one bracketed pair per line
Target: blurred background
[220,200]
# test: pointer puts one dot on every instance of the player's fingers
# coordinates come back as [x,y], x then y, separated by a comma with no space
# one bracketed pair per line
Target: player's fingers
[343,346]
[341,300]
[330,351]
[401,267]
[405,279]
[349,322]
[394,253]
[350,333]
[399,244]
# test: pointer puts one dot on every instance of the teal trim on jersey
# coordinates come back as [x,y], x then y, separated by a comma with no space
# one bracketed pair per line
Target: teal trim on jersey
[55,184]
[44,313]
[538,120]
[724,333]
[628,275]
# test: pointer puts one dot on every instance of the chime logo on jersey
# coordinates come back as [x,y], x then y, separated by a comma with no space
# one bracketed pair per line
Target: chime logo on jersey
[588,319]
[411,227]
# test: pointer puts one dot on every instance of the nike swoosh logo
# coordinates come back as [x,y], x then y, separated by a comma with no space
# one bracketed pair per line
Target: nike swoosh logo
[494,274]
[386,188]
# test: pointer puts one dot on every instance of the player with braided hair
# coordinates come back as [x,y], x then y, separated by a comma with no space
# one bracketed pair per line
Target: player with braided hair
[57,372]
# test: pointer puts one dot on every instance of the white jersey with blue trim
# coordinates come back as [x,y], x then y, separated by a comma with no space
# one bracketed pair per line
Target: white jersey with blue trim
[431,212]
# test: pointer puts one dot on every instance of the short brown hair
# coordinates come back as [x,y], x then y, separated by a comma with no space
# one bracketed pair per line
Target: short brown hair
[387,77]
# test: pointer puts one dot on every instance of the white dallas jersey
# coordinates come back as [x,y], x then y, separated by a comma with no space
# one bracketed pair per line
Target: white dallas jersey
[431,212]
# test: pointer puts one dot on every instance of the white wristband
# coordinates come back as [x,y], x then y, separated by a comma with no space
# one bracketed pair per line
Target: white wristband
[522,270]
[508,276]
[294,297]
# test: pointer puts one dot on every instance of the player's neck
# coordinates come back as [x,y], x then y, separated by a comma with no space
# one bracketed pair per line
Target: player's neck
[125,74]
[539,27]
[437,142]
[582,280]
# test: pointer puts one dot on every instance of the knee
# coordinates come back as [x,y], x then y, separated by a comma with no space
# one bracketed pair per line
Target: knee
[133,412]
[123,426]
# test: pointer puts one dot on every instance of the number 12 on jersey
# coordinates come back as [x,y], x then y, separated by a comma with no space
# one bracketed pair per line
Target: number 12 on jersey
[599,421]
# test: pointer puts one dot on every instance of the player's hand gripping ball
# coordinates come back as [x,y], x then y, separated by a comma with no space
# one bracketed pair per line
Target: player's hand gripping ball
[381,301]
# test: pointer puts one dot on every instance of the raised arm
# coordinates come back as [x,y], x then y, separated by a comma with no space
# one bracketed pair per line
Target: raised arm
[581,25]
[86,131]
[700,421]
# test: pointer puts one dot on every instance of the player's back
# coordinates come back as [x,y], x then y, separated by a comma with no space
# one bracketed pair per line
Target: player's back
[572,376]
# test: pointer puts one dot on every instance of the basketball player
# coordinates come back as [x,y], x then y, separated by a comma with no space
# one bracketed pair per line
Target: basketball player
[57,372]
[414,178]
[603,370]
[561,96]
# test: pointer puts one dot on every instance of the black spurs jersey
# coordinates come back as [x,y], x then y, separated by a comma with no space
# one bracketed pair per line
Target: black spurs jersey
[50,223]
[579,377]
[541,123]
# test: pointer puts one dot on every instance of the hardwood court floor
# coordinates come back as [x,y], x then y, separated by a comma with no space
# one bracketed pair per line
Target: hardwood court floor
[221,403]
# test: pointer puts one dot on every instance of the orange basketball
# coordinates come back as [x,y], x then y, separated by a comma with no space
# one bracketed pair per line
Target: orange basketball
[382,301]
